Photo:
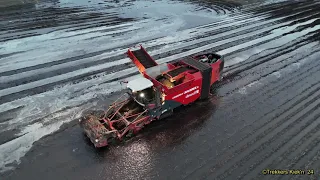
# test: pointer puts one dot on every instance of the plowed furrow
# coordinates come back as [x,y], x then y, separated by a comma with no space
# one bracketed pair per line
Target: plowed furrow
[49,24]
[255,77]
[276,91]
[310,164]
[279,84]
[304,154]
[279,150]
[53,62]
[251,149]
[265,56]
[43,88]
[71,25]
[66,78]
[29,13]
[241,37]
[274,85]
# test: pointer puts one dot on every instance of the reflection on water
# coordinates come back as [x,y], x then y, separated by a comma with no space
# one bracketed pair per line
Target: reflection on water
[134,161]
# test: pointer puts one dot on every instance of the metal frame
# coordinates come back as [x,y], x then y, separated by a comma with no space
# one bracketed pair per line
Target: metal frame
[130,125]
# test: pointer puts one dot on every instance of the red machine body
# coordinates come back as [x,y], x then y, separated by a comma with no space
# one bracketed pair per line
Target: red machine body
[162,88]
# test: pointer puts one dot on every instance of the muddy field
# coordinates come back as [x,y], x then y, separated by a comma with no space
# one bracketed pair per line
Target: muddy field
[59,58]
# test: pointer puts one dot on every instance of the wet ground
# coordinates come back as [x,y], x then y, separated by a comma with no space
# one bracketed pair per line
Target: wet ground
[59,58]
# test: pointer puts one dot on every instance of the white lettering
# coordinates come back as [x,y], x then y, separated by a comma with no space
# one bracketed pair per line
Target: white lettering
[177,95]
[187,91]
[192,94]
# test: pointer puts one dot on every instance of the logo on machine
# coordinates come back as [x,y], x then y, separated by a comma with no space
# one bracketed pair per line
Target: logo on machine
[192,94]
[196,88]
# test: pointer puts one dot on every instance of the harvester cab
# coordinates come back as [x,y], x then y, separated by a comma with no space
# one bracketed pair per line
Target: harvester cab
[143,92]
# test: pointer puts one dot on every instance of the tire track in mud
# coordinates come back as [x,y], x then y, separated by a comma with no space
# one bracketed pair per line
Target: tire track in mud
[65,80]
[234,69]
[68,26]
[59,18]
[253,77]
[248,140]
[190,29]
[223,42]
[41,21]
[258,12]
[284,147]
[52,12]
[307,145]
[45,23]
[304,131]
[310,164]
[62,61]
[38,76]
[264,12]
[73,26]
[272,86]
[259,15]
[286,51]
[278,89]
[42,29]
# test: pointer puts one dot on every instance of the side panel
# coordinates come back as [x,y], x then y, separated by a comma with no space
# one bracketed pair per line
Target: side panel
[165,110]
[206,72]
[217,69]
[215,72]
[187,94]
[168,107]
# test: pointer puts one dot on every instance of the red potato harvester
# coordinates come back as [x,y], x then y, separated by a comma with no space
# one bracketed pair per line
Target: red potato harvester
[154,96]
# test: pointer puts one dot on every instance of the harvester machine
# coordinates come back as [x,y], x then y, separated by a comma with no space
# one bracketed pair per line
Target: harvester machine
[161,89]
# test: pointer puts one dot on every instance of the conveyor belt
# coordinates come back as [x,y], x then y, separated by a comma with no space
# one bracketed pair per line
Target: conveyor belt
[143,58]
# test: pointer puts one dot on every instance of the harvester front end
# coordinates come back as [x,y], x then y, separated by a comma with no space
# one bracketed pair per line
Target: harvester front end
[123,118]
